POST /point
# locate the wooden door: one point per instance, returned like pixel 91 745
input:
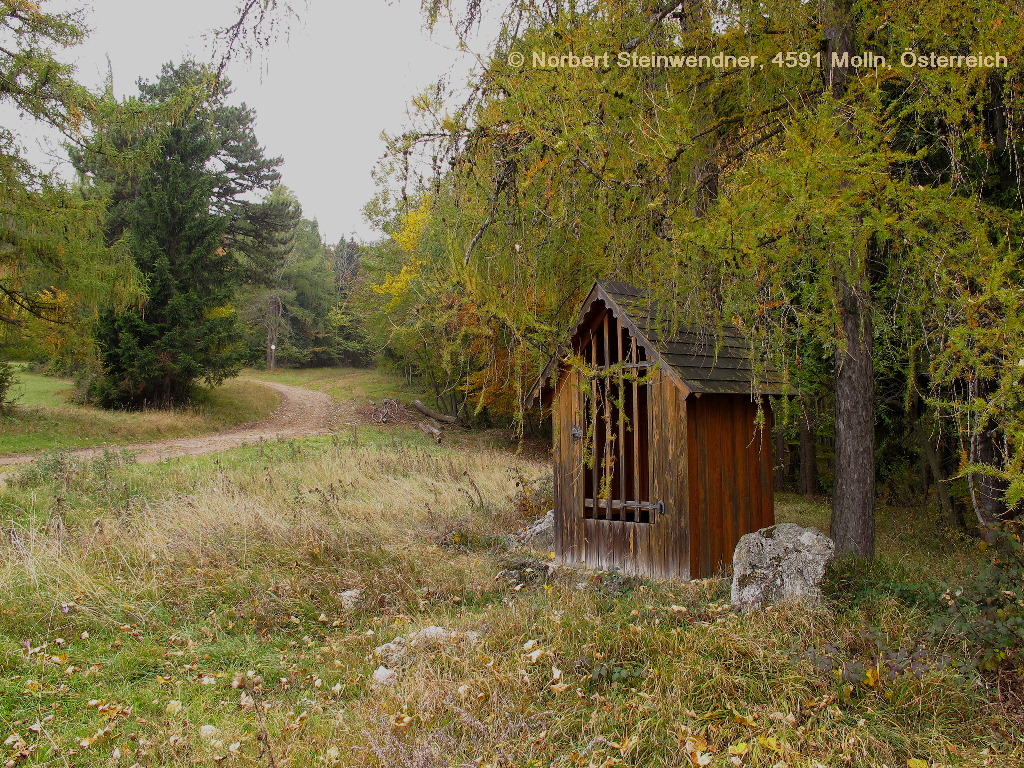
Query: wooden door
pixel 670 537
pixel 620 509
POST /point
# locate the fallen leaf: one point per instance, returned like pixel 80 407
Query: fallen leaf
pixel 743 719
pixel 401 721
pixel 173 707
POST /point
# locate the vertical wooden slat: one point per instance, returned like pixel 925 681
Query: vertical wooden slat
pixel 580 484
pixel 650 465
pixel 681 505
pixel 724 436
pixel 606 471
pixel 706 463
pixel 656 408
pixel 635 425
pixel 660 468
pixel 563 470
pixel 740 485
pixel 767 489
pixel 759 442
pixel 620 453
pixel 594 456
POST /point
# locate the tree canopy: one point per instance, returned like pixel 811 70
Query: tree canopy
pixel 52 253
pixel 861 225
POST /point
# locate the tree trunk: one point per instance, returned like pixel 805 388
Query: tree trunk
pixel 426 411
pixel 853 503
pixel 836 27
pixel 924 427
pixel 809 485
pixel 274 311
pixel 986 491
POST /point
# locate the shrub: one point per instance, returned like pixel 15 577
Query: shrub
pixel 987 611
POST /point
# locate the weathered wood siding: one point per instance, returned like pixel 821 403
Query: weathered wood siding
pixel 567 413
pixel 730 469
pixel 669 557
pixel 658 548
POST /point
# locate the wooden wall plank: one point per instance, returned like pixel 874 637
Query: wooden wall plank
pixel 693 474
pixel 738 480
pixel 766 487
pixel 681 503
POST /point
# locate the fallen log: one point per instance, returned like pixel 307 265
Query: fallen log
pixel 431 431
pixel 433 414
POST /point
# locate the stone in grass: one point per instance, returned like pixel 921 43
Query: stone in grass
pixel 397 653
pixel 350 598
pixel 429 636
pixel 783 562
pixel 384 677
pixel 540 535
pixel 393 654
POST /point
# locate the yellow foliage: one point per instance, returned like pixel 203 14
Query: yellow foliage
pixel 397 286
pixel 413 224
pixel 226 310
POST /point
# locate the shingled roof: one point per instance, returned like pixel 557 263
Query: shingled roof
pixel 701 361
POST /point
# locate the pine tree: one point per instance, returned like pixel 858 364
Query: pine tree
pixel 185 217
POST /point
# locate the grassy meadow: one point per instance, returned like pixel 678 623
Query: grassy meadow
pixel 44 419
pixel 225 609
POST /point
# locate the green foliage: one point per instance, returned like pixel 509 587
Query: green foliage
pixel 987 610
pixel 53 259
pixel 854 582
pixel 296 296
pixel 753 197
pixel 186 215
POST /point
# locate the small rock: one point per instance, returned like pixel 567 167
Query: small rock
pixel 393 653
pixel 350 598
pixel 383 677
pixel 430 636
pixel 783 562
pixel 540 534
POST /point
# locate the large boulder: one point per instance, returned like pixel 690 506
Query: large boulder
pixel 783 562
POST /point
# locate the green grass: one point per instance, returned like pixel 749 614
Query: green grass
pixel 36 390
pixel 344 384
pixel 156 600
pixel 43 419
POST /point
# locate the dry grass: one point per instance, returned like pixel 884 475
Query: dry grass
pixel 209 592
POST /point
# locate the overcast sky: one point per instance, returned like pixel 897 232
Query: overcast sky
pixel 322 94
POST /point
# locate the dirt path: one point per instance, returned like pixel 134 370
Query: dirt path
pixel 301 413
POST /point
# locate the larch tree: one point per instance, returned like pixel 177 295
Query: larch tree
pixel 868 215
pixel 52 252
